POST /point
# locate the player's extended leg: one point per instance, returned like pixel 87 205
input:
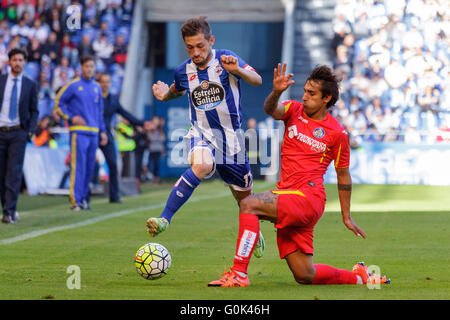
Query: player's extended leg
pixel 258 252
pixel 252 208
pixel 305 272
pixel 202 163
pixel 301 266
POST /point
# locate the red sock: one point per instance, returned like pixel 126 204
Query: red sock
pixel 247 238
pixel 329 275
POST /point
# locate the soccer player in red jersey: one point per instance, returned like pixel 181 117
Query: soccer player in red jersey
pixel 312 139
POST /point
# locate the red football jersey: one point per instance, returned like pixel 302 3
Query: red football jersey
pixel 309 146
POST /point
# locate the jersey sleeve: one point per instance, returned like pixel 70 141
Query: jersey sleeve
pixel 241 62
pixel 290 107
pixel 180 80
pixel 62 101
pixel 342 150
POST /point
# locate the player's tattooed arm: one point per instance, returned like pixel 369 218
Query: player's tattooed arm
pixel 273 107
pixel 344 180
pixel 165 93
pixel 173 93
pixel 344 183
pixel 344 187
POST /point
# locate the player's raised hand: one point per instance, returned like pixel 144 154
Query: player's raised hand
pixel 281 81
pixel 230 63
pixel 160 90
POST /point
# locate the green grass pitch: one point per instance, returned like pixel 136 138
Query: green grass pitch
pixel 407 228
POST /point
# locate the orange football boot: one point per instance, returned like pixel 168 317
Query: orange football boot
pixel 230 279
pixel 361 270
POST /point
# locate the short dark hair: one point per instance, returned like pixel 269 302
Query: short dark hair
pixel 329 82
pixel 103 74
pixel 15 51
pixel 195 26
pixel 86 58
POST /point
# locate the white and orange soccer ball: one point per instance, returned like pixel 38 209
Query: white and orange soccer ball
pixel 152 261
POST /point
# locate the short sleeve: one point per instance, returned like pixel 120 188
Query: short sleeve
pixel 62 100
pixel 342 150
pixel 180 80
pixel 242 63
pixel 289 108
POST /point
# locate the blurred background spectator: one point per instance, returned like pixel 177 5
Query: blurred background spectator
pixel 393 58
pixel 39 26
pixel 156 147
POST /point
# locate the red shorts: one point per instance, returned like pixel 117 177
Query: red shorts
pixel 298 213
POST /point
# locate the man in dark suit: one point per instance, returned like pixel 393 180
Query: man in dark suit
pixel 18 117
pixel 112 106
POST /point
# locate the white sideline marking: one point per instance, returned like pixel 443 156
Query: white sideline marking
pixel 38 233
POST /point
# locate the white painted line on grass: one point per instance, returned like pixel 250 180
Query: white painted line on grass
pixel 86 222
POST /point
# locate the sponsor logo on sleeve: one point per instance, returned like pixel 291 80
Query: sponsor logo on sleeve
pixel 219 69
pixel 247 67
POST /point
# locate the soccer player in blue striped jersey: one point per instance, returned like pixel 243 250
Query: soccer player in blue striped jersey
pixel 211 78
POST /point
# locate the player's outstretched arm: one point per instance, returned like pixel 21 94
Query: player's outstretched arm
pixel 165 93
pixel 231 64
pixel 344 181
pixel 281 82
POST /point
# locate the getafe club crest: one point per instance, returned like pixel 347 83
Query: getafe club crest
pixel 208 95
pixel 318 133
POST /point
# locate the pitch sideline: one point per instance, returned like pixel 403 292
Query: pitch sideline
pixel 90 221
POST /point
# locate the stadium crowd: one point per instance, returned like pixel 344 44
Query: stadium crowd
pixel 393 58
pixel 54 40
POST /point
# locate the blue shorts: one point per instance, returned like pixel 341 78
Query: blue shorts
pixel 234 170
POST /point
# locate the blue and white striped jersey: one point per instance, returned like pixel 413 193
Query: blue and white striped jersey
pixel 214 102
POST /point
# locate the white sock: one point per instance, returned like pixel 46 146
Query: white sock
pixel 359 280
pixel 241 274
